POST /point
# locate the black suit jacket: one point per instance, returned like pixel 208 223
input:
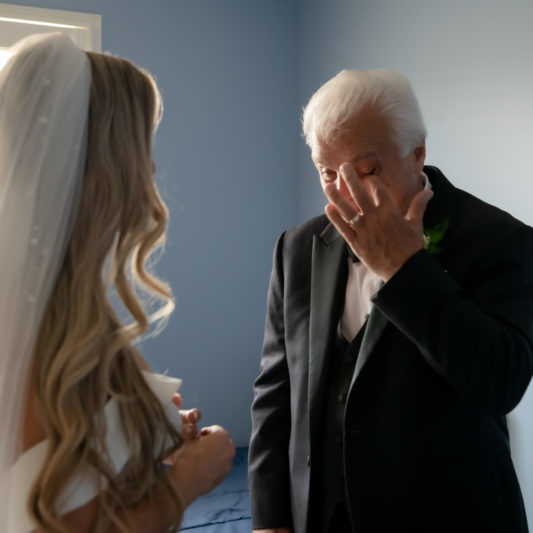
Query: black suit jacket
pixel 447 352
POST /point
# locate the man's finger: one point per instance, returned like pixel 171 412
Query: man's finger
pixel 418 205
pixel 356 187
pixel 345 229
pixel 337 219
pixel 346 209
pixel 377 189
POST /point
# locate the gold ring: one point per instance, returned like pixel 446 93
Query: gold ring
pixel 353 221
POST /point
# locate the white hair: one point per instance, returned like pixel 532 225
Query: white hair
pixel 335 106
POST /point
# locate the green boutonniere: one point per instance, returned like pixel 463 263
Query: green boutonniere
pixel 433 236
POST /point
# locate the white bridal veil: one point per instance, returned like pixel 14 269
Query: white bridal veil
pixel 44 97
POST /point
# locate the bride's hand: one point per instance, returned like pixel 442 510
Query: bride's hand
pixel 189 429
pixel 201 464
pixel 189 419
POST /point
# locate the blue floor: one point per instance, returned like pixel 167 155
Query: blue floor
pixel 227 508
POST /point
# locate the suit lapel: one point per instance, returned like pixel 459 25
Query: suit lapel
pixel 374 329
pixel 328 283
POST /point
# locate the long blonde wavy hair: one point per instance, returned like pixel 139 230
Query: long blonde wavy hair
pixel 84 354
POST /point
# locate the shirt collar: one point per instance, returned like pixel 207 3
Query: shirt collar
pixel 427 183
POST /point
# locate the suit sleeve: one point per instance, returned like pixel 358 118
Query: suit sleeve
pixel 479 335
pixel 268 471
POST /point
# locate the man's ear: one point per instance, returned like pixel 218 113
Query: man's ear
pixel 420 156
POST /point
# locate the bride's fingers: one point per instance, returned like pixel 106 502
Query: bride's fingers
pixel 176 400
pixel 191 416
pixel 189 419
pixel 189 431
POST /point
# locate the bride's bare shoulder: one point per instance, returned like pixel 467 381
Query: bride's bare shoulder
pixel 33 430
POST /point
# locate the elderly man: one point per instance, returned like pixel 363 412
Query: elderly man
pixel 399 333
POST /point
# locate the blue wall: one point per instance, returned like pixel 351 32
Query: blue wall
pixel 225 154
pixel 471 66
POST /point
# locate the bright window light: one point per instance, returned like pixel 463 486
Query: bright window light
pixel 17 22
pixel 38 23
pixel 4 56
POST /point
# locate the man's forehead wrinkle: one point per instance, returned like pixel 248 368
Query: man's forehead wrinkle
pixel 371 153
pixel 321 161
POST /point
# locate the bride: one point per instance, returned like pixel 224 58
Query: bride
pixel 85 428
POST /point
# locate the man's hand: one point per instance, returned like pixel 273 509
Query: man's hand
pixel 378 233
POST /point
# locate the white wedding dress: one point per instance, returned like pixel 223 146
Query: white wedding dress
pixel 82 487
